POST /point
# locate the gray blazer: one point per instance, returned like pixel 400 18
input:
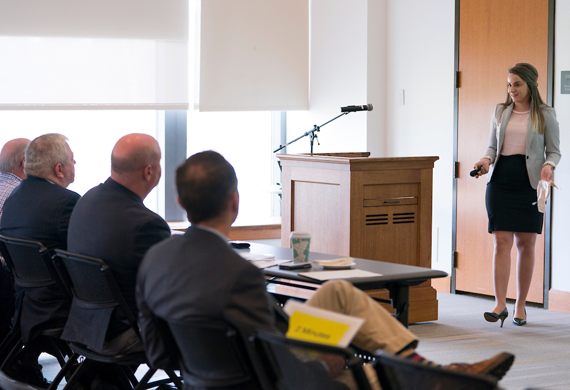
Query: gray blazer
pixel 540 148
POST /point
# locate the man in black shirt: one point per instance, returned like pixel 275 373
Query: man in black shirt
pixel 111 222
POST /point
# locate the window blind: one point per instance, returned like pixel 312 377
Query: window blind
pixel 253 55
pixel 69 54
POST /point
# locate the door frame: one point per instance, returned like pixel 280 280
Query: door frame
pixel 549 101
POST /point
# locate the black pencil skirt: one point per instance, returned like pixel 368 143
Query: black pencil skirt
pixel 509 198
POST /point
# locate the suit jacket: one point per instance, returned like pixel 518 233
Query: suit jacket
pixel 111 222
pixel 540 148
pixel 39 210
pixel 198 276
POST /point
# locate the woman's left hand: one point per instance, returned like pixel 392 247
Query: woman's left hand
pixel 546 173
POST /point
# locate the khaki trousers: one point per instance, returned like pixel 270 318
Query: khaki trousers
pixel 380 329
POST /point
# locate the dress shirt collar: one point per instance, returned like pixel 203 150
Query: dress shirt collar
pixel 119 187
pixel 212 230
pixel 9 177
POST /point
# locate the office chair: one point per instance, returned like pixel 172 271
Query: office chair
pixel 294 365
pixel 213 354
pixel 93 286
pixel 31 266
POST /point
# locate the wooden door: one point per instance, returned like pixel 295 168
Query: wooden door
pixel 494 36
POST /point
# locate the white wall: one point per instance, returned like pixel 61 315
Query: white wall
pixel 561 198
pixel 420 56
pixel 377 44
pixel 342 48
pixel 364 51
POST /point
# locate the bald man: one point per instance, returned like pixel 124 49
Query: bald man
pixel 11 174
pixel 111 223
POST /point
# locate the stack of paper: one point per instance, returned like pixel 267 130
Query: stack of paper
pixel 259 260
pixel 343 262
pixel 256 256
pixel 330 275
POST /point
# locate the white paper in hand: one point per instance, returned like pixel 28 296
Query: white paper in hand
pixel 542 194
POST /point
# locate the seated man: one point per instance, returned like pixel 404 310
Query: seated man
pixel 11 174
pixel 198 275
pixel 39 209
pixel 111 222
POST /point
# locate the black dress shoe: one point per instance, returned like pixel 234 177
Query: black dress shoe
pixel 30 374
pixel 494 317
pixel 520 321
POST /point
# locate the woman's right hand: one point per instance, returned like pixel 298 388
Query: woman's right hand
pixel 484 164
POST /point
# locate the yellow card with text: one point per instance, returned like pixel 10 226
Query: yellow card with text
pixel 315 330
pixel 321 326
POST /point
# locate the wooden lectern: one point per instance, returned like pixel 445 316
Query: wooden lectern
pixel 372 208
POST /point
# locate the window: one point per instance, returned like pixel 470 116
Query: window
pixel 92 135
pixel 244 139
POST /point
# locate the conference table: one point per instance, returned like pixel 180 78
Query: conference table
pixel 396 278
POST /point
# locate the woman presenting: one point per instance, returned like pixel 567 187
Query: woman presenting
pixel 523 149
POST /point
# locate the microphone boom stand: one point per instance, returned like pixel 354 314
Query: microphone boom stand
pixel 311 133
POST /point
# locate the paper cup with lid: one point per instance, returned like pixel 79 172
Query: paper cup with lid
pixel 300 244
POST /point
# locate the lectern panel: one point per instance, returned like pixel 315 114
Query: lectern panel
pixel 316 209
pixel 390 234
pixel 375 191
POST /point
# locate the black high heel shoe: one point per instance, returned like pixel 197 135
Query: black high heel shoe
pixel 494 317
pixel 520 321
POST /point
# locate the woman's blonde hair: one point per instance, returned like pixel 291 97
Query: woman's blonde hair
pixel 529 75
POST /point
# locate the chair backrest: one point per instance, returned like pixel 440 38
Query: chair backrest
pixel 395 373
pixel 289 361
pixel 31 263
pixel 92 283
pixel 212 354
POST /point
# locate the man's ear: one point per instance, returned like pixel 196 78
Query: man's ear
pixel 57 170
pixel 147 172
pixel 234 202
pixel 179 202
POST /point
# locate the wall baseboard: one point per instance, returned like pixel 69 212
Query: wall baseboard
pixel 559 300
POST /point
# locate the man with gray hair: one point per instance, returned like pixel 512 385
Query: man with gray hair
pixel 11 174
pixel 39 209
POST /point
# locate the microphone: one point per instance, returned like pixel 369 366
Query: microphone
pixel 474 172
pixel 366 107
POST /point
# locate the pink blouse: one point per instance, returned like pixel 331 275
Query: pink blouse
pixel 515 134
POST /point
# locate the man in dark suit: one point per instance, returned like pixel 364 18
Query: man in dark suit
pixel 111 222
pixel 198 275
pixel 39 209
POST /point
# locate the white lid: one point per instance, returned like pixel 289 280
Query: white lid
pixel 300 235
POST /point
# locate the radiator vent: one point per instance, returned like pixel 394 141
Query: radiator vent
pixel 404 218
pixel 390 219
pixel 377 219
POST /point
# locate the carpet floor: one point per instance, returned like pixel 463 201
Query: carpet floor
pixel 541 348
pixel 461 334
